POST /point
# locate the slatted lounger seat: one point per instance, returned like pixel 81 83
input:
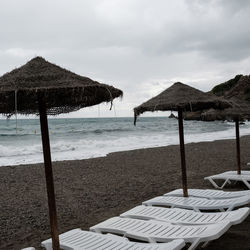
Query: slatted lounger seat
pixel 78 239
pixel 243 172
pixel 198 204
pixel 227 178
pixel 209 193
pixel 158 231
pixel 183 216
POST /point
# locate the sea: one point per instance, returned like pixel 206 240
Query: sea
pixel 82 138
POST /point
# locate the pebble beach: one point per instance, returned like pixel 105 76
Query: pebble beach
pixel 92 190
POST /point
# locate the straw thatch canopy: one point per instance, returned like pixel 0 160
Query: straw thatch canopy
pixel 239 111
pixel 62 90
pixel 183 96
pixel 227 114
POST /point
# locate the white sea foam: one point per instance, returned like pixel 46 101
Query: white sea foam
pixel 83 138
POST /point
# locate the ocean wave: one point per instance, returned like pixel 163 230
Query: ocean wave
pixel 100 131
pixel 19 150
pixel 105 137
pixel 73 130
pixel 19 135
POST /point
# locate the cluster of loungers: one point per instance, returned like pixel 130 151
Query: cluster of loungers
pixel 168 222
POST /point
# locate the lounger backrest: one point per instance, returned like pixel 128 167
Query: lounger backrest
pixel 197 203
pixel 160 231
pixel 83 240
pixel 183 216
pixel 209 193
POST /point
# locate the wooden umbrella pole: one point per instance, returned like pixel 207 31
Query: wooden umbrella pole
pixel 237 132
pixel 182 150
pixel 48 173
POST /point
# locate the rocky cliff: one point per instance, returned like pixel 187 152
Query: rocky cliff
pixel 236 90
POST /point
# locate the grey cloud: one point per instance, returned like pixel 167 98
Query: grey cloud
pixel 212 34
pixel 227 7
pixel 79 26
pixel 139 46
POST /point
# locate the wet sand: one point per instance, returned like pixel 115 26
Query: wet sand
pixel 90 191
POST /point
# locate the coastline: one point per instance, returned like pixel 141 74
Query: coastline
pixel 70 140
pixel 92 190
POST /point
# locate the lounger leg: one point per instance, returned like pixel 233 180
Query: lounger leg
pixel 213 183
pixel 194 244
pixel 205 244
pixel 246 183
pixel 224 184
pixel 230 208
pixel 196 209
pixel 234 182
pixel 216 185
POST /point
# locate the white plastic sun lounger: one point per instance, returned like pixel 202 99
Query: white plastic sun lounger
pixel 243 172
pixel 228 178
pixel 158 231
pixel 183 216
pixel 209 193
pixel 78 239
pixel 198 204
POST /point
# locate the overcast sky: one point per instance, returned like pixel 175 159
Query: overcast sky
pixel 139 46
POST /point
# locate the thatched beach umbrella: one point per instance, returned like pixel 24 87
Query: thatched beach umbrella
pixel 40 87
pixel 181 97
